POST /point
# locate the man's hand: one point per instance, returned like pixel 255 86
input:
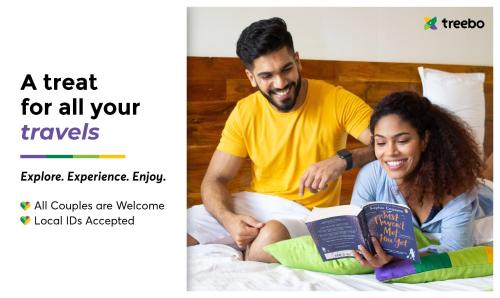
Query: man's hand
pixel 375 261
pixel 318 175
pixel 243 229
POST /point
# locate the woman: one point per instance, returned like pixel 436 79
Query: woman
pixel 428 160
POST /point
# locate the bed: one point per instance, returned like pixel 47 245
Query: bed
pixel 220 267
pixel 213 87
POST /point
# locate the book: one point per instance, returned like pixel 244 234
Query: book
pixel 337 231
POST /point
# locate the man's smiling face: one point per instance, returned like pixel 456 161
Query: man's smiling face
pixel 277 76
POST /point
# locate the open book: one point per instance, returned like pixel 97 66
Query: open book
pixel 337 231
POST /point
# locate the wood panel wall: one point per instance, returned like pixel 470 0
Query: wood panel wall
pixel 214 85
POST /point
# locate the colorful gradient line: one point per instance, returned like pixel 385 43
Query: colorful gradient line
pixel 72 156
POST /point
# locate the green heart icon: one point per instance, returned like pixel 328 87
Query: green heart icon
pixel 25 205
pixel 25 219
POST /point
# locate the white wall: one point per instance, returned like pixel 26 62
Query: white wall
pixel 352 34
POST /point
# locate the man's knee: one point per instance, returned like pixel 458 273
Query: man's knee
pixel 272 232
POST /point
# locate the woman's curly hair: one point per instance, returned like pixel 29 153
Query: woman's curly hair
pixel 451 162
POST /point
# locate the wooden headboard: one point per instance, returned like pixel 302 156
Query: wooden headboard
pixel 214 85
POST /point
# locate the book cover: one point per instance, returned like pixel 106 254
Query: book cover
pixel 392 225
pixel 337 231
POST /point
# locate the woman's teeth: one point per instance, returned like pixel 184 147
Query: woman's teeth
pixel 395 163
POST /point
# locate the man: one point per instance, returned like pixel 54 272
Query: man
pixel 294 131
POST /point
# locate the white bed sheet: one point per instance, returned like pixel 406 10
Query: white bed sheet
pixel 220 267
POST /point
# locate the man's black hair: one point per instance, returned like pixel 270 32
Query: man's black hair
pixel 261 38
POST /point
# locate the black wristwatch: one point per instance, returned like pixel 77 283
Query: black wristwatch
pixel 347 156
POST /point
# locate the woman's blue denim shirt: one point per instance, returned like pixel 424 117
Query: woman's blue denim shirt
pixel 452 226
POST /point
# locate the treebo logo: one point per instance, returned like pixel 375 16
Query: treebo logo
pixel 465 24
pixel 430 23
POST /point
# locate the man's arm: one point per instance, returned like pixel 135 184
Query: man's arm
pixel 218 201
pixel 362 156
pixel 319 174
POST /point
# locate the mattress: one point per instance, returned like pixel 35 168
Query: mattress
pixel 220 267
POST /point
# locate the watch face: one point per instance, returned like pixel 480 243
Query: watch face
pixel 347 156
pixel 344 153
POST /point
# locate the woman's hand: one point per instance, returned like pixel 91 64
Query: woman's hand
pixel 375 261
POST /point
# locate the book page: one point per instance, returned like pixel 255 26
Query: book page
pixel 320 213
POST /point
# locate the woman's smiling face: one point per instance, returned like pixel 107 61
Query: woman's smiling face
pixel 397 146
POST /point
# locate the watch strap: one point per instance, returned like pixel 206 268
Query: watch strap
pixel 347 156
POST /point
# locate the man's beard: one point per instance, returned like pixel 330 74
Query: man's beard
pixel 287 104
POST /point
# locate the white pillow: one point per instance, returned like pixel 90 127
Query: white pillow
pixel 483 231
pixel 461 93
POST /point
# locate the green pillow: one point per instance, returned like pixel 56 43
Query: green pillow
pixel 301 253
pixel 468 262
pixel 422 240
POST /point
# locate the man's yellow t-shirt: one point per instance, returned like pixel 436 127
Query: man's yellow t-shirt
pixel 282 146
